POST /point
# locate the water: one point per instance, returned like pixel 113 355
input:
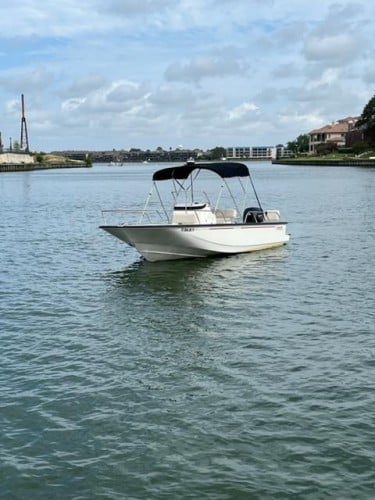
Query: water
pixel 244 377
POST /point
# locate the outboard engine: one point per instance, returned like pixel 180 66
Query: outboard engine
pixel 253 215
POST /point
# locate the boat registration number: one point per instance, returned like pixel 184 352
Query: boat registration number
pixel 187 229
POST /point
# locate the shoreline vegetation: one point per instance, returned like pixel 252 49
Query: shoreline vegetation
pixel 53 161
pixel 28 162
pixel 330 160
pixel 321 162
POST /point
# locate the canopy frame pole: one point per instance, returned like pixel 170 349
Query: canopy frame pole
pixel 231 195
pixel 162 204
pixel 256 194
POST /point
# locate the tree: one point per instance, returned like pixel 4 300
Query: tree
pixel 368 114
pixel 326 148
pixel 360 147
pixel 367 122
pixel 303 143
pixel 88 160
pixel 218 153
pixel 292 146
pixel 299 145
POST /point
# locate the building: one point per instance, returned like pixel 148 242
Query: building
pixel 334 133
pixel 363 134
pixel 16 158
pixel 252 152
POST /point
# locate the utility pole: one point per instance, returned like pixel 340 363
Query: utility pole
pixel 24 136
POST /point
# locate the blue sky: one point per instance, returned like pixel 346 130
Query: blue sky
pixel 194 73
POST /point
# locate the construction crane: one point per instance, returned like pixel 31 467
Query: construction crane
pixel 24 137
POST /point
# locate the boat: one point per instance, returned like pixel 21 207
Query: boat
pixel 194 226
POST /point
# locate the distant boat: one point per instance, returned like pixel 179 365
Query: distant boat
pixel 197 228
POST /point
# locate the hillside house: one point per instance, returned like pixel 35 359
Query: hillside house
pixel 335 133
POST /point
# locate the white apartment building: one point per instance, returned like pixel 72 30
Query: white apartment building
pixel 252 152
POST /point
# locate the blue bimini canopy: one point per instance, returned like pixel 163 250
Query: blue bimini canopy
pixel 223 169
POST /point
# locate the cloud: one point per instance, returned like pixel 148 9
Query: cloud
pixel 33 79
pixel 72 104
pixel 285 70
pixel 113 99
pixel 369 73
pixel 84 85
pixel 328 78
pixel 336 49
pixel 243 110
pixel 203 67
pixel 306 121
pixel 190 72
pixel 130 8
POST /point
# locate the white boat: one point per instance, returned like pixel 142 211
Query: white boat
pixel 199 228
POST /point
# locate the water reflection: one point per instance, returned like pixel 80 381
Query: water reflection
pixel 198 276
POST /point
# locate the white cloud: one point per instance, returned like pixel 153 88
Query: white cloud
pixel 336 48
pixel 285 70
pixel 204 67
pixel 72 104
pixel 369 73
pixel 243 110
pixel 307 121
pixel 196 72
pixel 329 77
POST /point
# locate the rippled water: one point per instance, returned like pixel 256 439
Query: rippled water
pixel 244 377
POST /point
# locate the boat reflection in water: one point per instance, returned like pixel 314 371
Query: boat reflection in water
pixel 202 276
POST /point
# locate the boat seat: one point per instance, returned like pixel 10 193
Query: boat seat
pixel 225 215
pixel 180 217
pixel 272 216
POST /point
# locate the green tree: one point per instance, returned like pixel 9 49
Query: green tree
pixel 303 143
pixel 299 145
pixel 88 160
pixel 292 146
pixel 360 147
pixel 218 153
pixel 326 148
pixel 368 114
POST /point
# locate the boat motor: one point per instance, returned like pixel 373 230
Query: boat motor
pixel 253 215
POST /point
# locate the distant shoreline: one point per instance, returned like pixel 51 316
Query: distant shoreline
pixel 28 167
pixel 325 163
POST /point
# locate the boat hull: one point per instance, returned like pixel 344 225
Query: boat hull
pixel 170 242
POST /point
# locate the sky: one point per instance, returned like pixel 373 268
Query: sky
pixel 124 74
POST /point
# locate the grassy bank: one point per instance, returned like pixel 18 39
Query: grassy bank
pixel 333 159
pixel 40 161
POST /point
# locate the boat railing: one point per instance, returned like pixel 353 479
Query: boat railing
pixel 126 216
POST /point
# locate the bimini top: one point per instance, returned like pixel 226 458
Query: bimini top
pixel 224 169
